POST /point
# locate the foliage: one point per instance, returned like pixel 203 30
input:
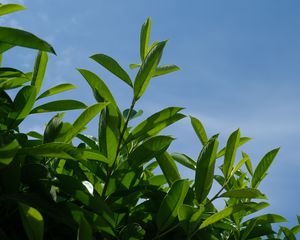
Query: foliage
pixel 108 186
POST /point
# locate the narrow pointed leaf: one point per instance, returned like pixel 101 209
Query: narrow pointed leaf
pixel 205 169
pixel 168 209
pixel 113 66
pixel 33 222
pixel 89 140
pixel 8 152
pixel 84 118
pixel 244 193
pixel 231 147
pixel 22 38
pixel 263 167
pixel 10 8
pixel 184 160
pixel 199 129
pixel 267 218
pixel 147 70
pixel 168 167
pixel 239 165
pixel 12 83
pixel 226 212
pixel 165 69
pixel 242 141
pixel 53 128
pixel 59 105
pixel 144 38
pixel 39 70
pixel 134 65
pixel 84 231
pixel 57 89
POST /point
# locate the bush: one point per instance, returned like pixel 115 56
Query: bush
pixel 107 187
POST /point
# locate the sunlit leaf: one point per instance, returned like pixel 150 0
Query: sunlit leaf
pixel 10 8
pixel 39 70
pixel 243 193
pixel 165 69
pixel 59 105
pixel 57 89
pixel 242 141
pixel 199 129
pixel 113 66
pixel 144 38
pixel 184 160
pixel 8 152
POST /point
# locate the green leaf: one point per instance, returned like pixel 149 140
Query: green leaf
pixel 147 70
pixel 10 72
pixel 113 66
pixel 144 38
pixel 101 91
pixel 266 218
pixel 155 123
pixel 84 231
pixel 168 209
pixel 57 89
pixel 85 117
pixel 149 149
pixel 248 163
pixel 8 152
pixel 59 105
pixel 262 167
pixel 89 140
pixel 184 160
pixel 23 104
pixel 35 134
pixel 226 212
pixel 33 222
pixel 288 233
pixel 240 164
pixel 134 114
pixel 168 167
pixel 244 193
pixel 134 65
pixel 199 129
pixel 10 8
pixel 22 38
pixel 12 83
pixel 53 128
pixel 165 69
pixel 242 141
pixel 231 147
pixel 205 169
pixel 4 47
pixel 39 70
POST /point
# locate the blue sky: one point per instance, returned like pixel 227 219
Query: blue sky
pixel 240 69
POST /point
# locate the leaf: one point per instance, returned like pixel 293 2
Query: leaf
pixel 134 114
pixel 168 209
pixel 12 83
pixel 57 89
pixel 244 193
pixel 239 164
pixel 266 218
pixel 35 134
pixel 22 38
pixel 101 91
pixel 184 160
pixel 205 169
pixel 89 140
pixel 231 147
pixel 263 167
pixel 148 150
pixel 113 66
pixel 155 123
pixel 165 69
pixel 53 128
pixel 147 70
pixel 84 118
pixel 144 38
pixel 242 141
pixel 134 65
pixel 59 105
pixel 288 233
pixel 23 104
pixel 168 167
pixel 4 47
pixel 10 72
pixel 10 8
pixel 84 231
pixel 226 212
pixel 199 129
pixel 33 222
pixel 39 70
pixel 8 152
pixel 248 163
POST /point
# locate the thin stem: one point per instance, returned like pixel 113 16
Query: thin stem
pixel 166 232
pixel 110 170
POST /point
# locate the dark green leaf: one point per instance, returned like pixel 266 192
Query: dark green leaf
pixel 84 231
pixel 134 114
pixel 168 209
pixel 59 105
pixel 148 150
pixel 89 140
pixel 184 160
pixel 22 38
pixel 165 69
pixel 231 147
pixel 39 70
pixel 244 193
pixel 10 8
pixel 57 89
pixel 205 169
pixel 168 167
pixel 144 38
pixel 8 152
pixel 262 167
pixel 199 129
pixel 53 128
pixel 33 222
pixel 113 66
pixel 10 72
pixel 147 70
pixel 266 218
